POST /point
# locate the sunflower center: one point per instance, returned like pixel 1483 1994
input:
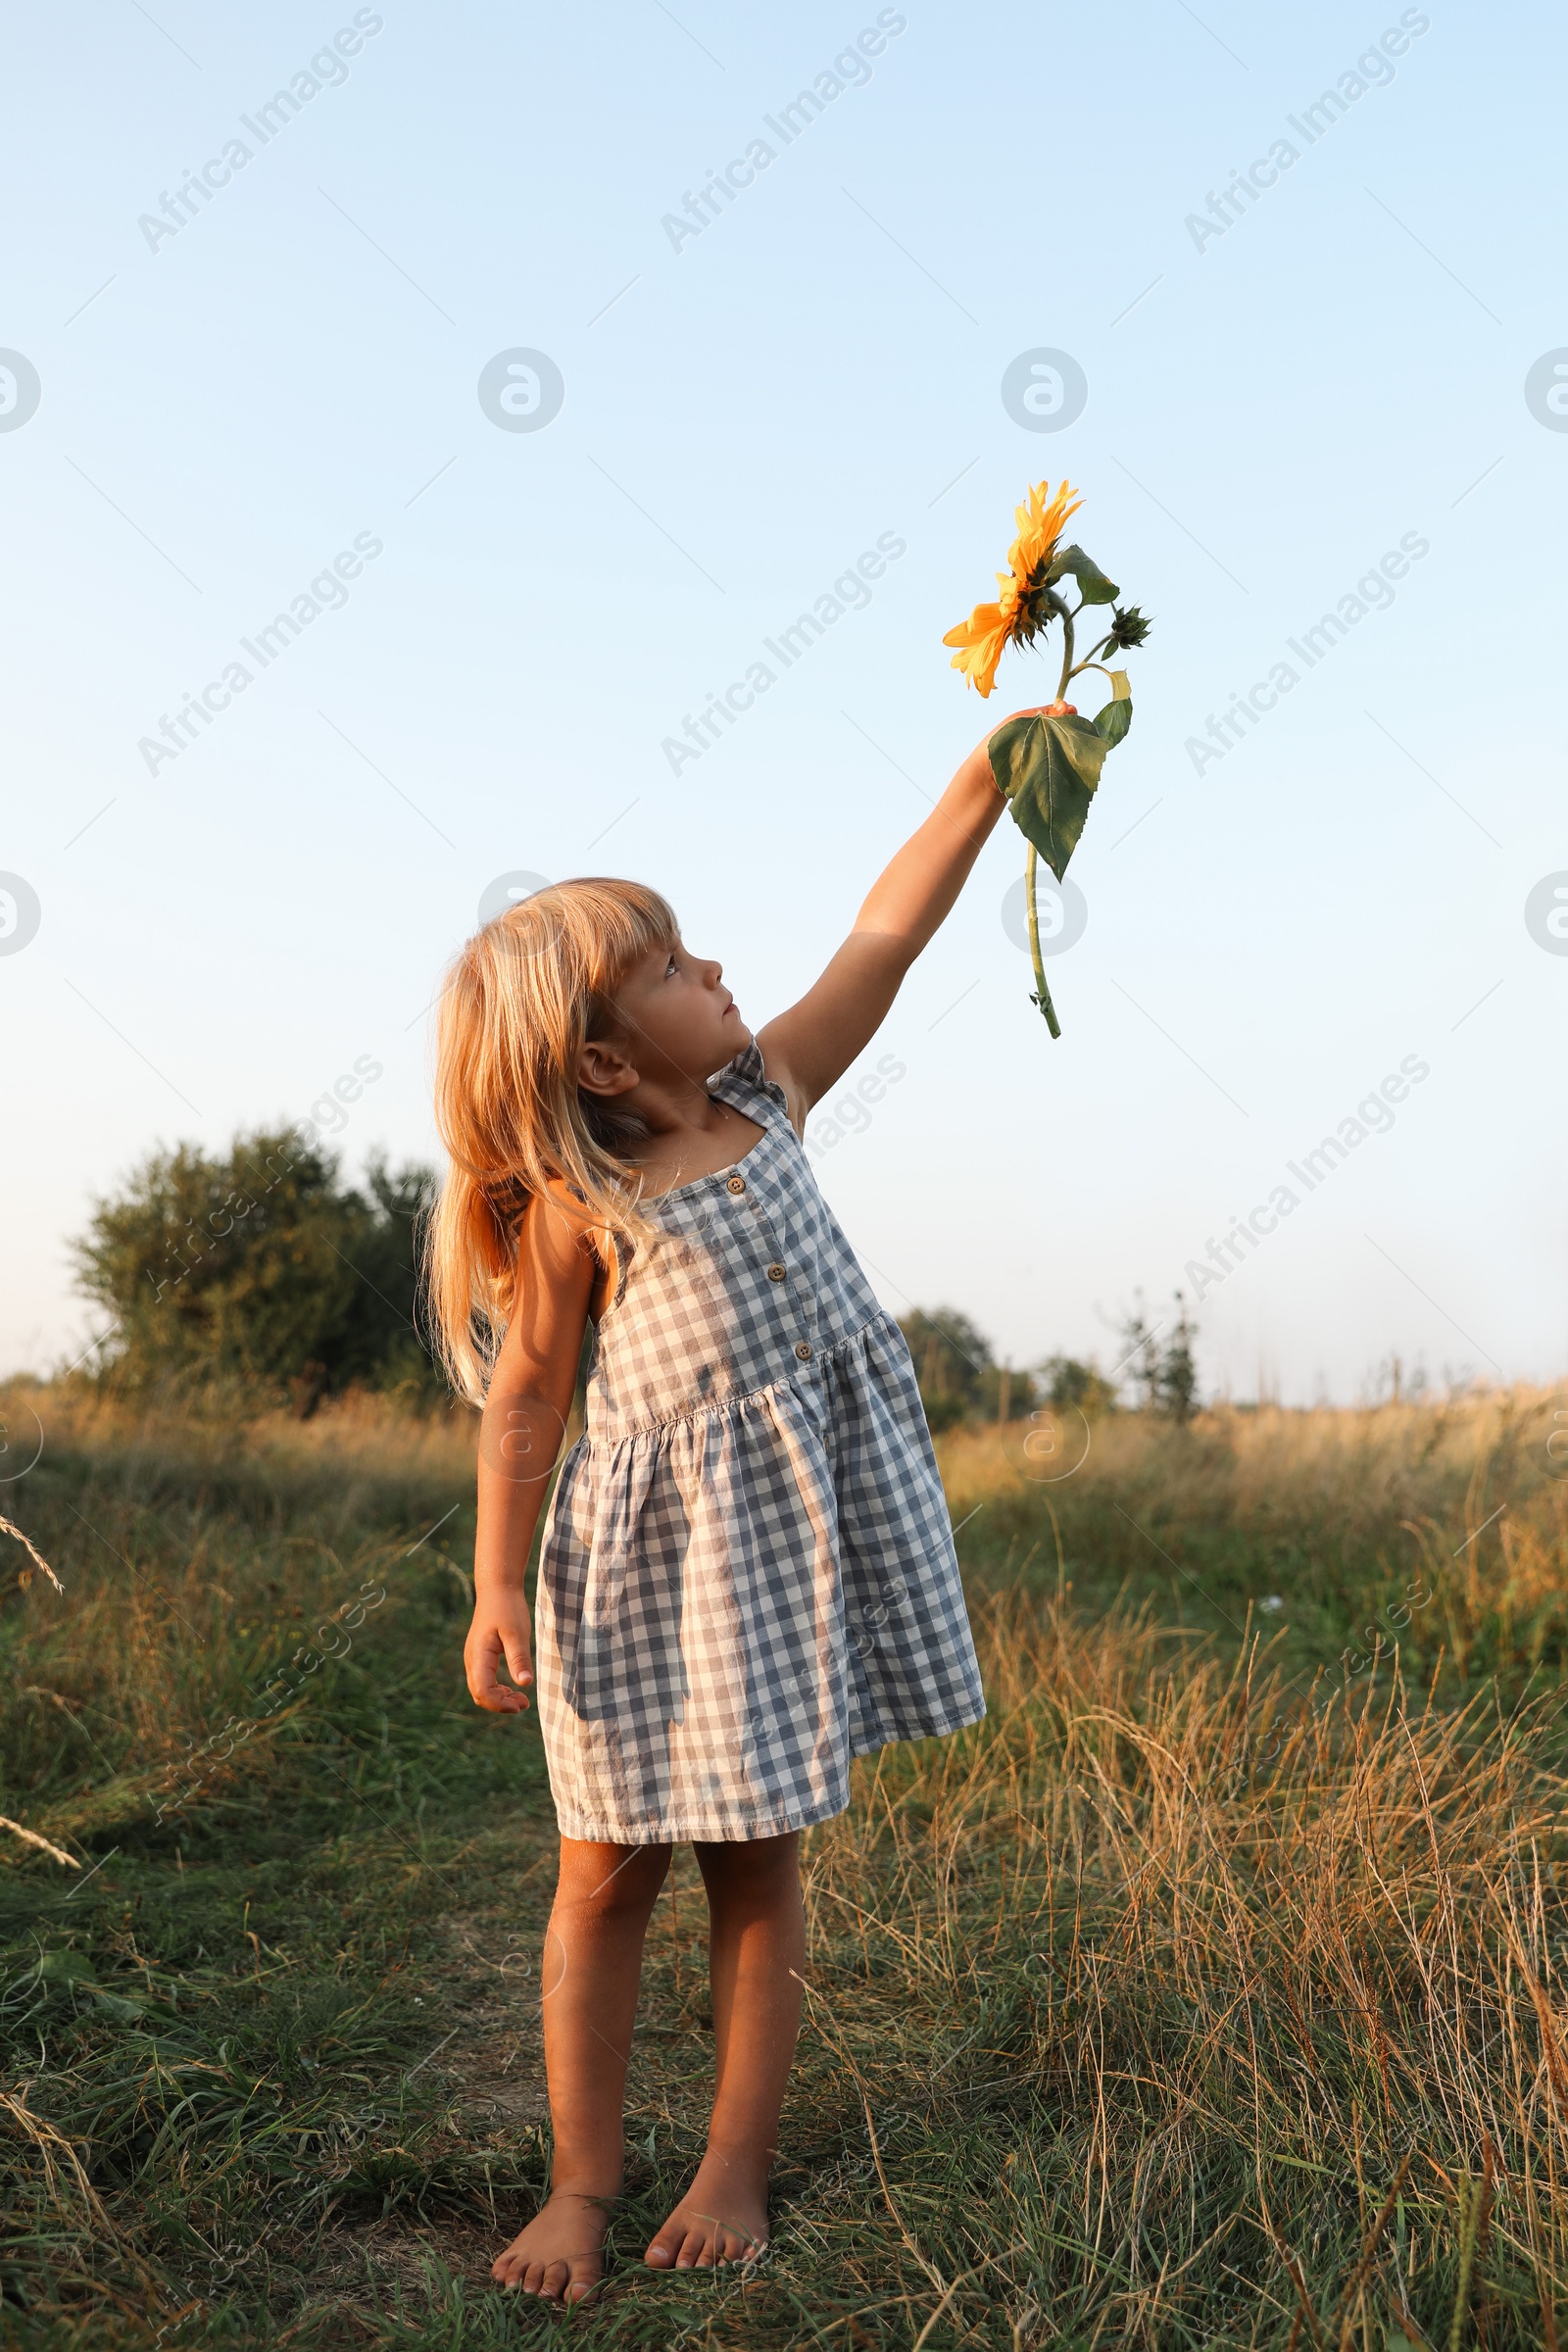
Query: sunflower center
pixel 1038 604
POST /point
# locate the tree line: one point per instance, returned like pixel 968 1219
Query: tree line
pixel 961 1378
pixel 265 1270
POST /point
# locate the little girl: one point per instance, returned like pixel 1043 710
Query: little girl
pixel 747 1575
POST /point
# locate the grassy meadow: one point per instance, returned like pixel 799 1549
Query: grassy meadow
pixel 1213 1992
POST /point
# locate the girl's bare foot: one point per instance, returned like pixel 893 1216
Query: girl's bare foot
pixel 560 2253
pixel 721 2218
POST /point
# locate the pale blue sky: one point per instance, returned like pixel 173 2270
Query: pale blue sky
pixel 1342 370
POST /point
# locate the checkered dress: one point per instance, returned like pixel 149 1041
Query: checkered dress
pixel 747 1575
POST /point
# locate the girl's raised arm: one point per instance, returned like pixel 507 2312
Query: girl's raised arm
pixel 808 1047
pixel 519 1438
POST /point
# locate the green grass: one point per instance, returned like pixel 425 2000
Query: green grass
pixel 1177 1960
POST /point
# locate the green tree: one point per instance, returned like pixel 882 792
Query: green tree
pixel 1006 1393
pixel 1071 1384
pixel 952 1363
pixel 1163 1379
pixel 261 1268
pixel 1176 1389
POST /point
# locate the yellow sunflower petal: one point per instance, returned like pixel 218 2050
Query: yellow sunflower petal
pixel 1040 525
pixel 983 637
pixel 981 641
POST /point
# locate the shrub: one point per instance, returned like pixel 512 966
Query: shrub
pixel 262 1268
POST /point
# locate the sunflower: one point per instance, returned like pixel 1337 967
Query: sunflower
pixel 1026 603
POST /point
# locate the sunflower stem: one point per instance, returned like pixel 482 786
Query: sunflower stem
pixel 1066 655
pixel 1043 995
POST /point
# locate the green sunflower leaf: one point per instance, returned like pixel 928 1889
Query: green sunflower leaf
pixel 1093 585
pixel 1049 769
pixel 1114 720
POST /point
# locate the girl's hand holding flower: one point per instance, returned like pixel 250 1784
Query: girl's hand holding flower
pixel 1047 763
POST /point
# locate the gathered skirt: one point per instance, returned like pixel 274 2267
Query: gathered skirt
pixel 736 1601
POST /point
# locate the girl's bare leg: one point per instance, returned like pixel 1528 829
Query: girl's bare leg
pixel 757 1937
pixel 592 1964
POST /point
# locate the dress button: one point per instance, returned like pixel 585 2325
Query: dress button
pixel 737 1184
pixel 775 1273
pixel 803 1349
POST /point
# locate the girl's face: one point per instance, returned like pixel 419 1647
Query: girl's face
pixel 680 1020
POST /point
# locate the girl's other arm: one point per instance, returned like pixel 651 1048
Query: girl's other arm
pixel 808 1047
pixel 519 1437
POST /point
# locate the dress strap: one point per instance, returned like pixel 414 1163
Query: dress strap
pixel 743 1083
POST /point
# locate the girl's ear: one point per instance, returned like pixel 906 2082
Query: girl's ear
pixel 604 1069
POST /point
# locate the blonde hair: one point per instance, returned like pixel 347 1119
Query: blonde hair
pixel 518 1004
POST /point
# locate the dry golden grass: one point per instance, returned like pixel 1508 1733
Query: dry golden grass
pixel 1238 1971
pixel 1276 1463
pixel 1207 1994
pixel 1344 1517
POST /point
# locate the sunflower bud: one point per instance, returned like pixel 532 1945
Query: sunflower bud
pixel 1127 627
